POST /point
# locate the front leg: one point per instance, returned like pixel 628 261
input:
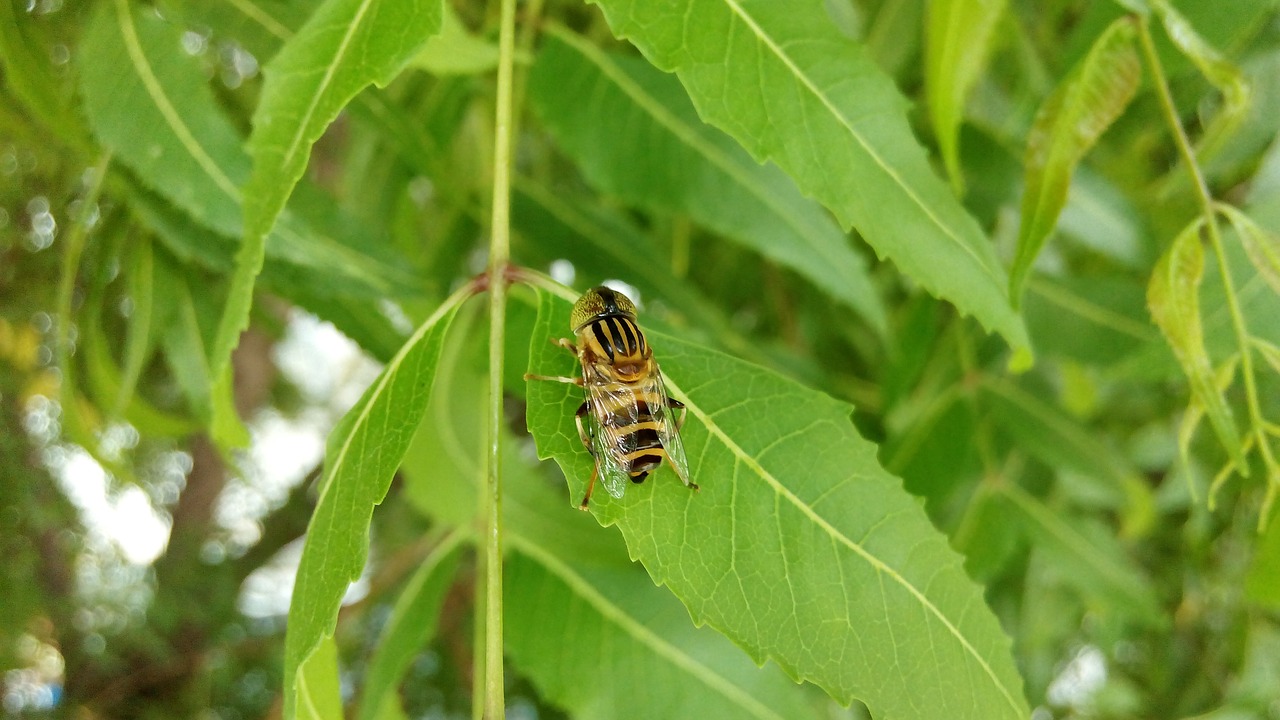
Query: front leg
pixel 567 344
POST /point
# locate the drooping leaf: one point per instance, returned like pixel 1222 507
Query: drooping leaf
pixel 363 453
pixel 1173 296
pixel 958 38
pixel 786 84
pixel 799 546
pixel 411 626
pixel 1068 124
pixel 345 46
pixel 1222 74
pixel 1260 244
pixel 1093 562
pixel 31 78
pixel 589 99
pixel 603 642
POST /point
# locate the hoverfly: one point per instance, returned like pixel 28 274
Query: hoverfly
pixel 631 427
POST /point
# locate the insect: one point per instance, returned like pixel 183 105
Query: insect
pixel 629 426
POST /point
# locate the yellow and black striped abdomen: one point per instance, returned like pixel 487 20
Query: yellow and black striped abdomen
pixel 630 420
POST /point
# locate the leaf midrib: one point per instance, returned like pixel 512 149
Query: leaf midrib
pixel 687 135
pixel 326 80
pixel 807 83
pixel 133 46
pixel 638 631
pixel 749 461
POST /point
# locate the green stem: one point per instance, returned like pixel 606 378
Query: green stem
pixel 1208 209
pixel 499 258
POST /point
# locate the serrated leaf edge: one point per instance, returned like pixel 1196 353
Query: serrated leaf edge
pixel 807 510
pixel 638 631
pixel 853 132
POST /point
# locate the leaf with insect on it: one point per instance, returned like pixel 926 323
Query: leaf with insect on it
pixel 799 546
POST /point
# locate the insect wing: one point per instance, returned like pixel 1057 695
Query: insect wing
pixel 669 432
pixel 608 410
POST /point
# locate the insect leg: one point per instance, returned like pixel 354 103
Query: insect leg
pixel 595 470
pixel 675 404
pixel 582 430
pixel 555 378
pixel 567 344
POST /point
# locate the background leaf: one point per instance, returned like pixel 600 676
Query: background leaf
pixel 783 81
pixel 870 579
pixel 1174 299
pixel 1068 124
pixel 343 47
pixel 958 39
pixel 588 99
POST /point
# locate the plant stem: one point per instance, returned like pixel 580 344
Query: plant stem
pixel 499 257
pixel 1208 209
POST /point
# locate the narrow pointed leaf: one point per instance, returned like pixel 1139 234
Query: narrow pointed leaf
pixel 343 48
pixel 411 626
pixel 1222 74
pixel 958 35
pixel 362 455
pixel 627 638
pixel 455 51
pixel 186 350
pixel 1173 296
pixel 1068 124
pixel 1260 244
pixel 790 87
pixel 799 546
pixel 589 99
pixel 138 344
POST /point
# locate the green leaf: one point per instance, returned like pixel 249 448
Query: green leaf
pixel 411 626
pixel 134 73
pixel 104 381
pixel 1260 244
pixel 345 46
pixel 1068 124
pixel 958 35
pixel 138 345
pixel 1054 437
pixel 1173 296
pixel 588 99
pixel 186 349
pixel 597 641
pixel 32 79
pixel 799 546
pixel 319 694
pixel 1223 75
pixel 455 51
pixel 1088 558
pixel 1100 320
pixel 363 453
pixel 1262 582
pixel 786 84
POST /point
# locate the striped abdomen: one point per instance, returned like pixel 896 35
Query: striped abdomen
pixel 630 426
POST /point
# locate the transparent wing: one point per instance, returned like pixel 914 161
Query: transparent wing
pixel 604 437
pixel 668 430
